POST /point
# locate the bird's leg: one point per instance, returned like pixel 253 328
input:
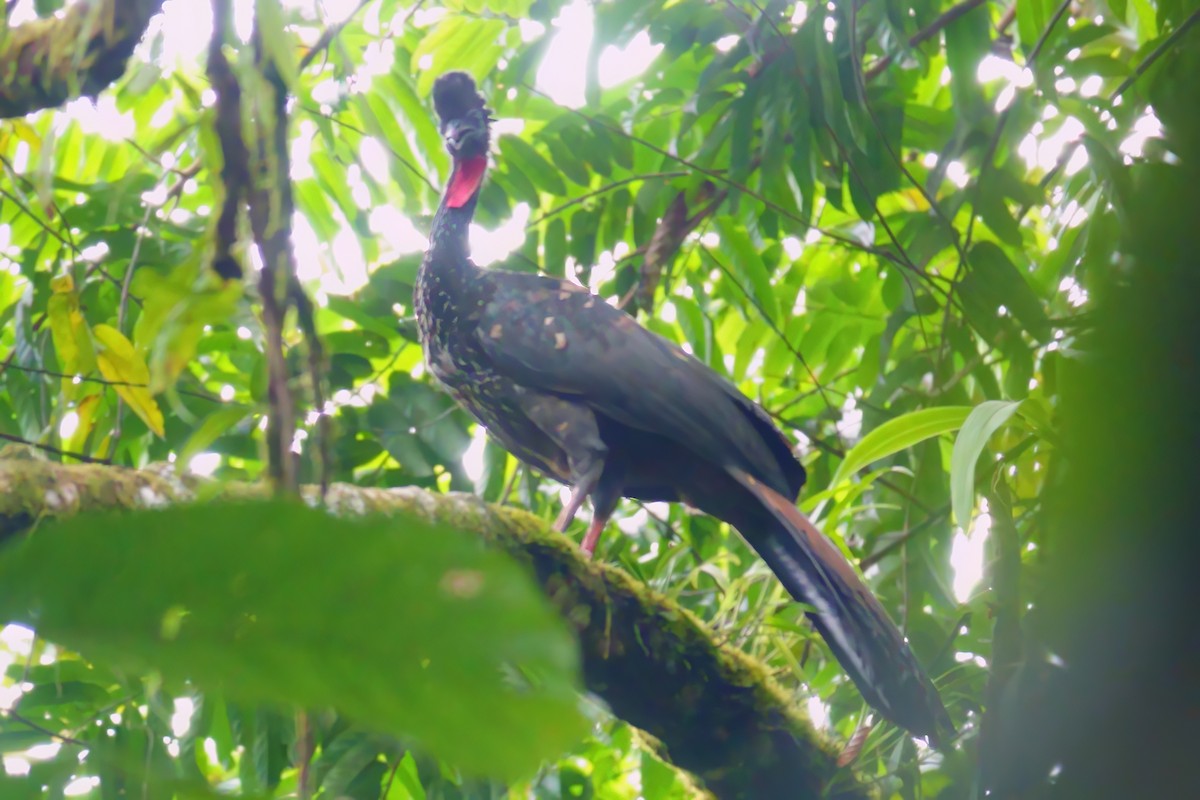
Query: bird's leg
pixel 595 528
pixel 604 502
pixel 573 428
pixel 583 487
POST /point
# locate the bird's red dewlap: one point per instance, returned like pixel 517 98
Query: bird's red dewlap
pixel 465 181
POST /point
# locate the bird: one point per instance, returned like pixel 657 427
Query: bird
pixel 580 391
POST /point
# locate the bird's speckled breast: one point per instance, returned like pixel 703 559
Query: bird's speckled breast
pixel 446 328
pixel 453 356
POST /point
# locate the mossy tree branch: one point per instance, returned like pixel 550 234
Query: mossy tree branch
pixel 46 62
pixel 715 710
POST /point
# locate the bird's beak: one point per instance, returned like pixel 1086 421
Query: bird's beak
pixel 460 134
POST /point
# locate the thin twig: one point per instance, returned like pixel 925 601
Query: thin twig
pixel 114 438
pixel 899 162
pixel 104 381
pixel 316 376
pixel 49 448
pixel 13 715
pixel 391 778
pixel 984 166
pixel 328 35
pixel 411 167
pixel 608 187
pixel 770 322
pixel 509 483
pixel 925 34
pixel 1156 53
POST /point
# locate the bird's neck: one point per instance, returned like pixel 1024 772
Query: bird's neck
pixel 449 247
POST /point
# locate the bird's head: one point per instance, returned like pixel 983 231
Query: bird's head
pixel 463 118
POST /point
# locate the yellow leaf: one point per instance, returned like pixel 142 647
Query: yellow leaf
pixel 916 199
pixel 86 411
pixel 120 364
pixel 22 131
pixel 68 330
pixel 26 133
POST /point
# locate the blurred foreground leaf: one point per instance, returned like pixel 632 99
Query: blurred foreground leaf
pixel 404 626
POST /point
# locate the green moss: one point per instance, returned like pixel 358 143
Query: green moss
pixel 46 62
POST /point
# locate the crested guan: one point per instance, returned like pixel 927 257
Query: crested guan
pixel 580 391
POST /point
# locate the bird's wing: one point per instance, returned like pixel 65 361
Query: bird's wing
pixel 556 336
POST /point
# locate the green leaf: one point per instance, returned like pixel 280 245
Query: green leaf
pixel 741 256
pixel 45 8
pixel 458 42
pixel 899 434
pixel 61 693
pixel 407 627
pixel 567 161
pixel 616 218
pixel 619 143
pixel 554 247
pixel 582 245
pixel 355 312
pixel 984 420
pixel 968 39
pixel 1000 283
pixel 407 783
pixel 1032 17
pixel 993 211
pixel 524 157
pixel 343 759
pixel 215 425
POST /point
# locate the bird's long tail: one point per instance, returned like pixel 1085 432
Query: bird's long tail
pixel 851 620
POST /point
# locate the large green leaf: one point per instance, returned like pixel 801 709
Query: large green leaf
pixel 407 627
pixel 899 434
pixel 535 166
pixel 984 420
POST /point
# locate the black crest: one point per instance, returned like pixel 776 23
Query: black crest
pixel 455 96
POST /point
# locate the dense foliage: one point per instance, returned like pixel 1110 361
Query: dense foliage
pixel 888 223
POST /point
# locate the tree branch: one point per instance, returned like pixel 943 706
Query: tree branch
pixel 715 710
pixel 46 62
